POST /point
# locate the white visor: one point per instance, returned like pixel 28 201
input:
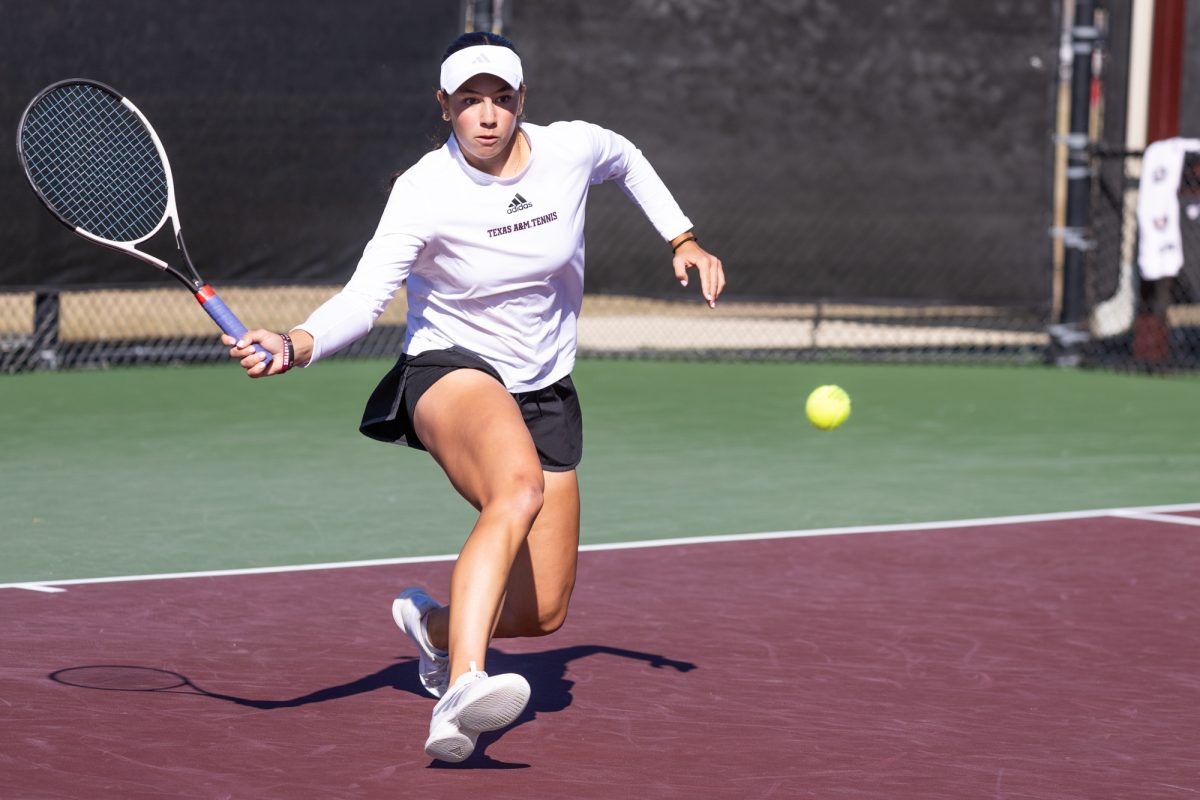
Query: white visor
pixel 481 58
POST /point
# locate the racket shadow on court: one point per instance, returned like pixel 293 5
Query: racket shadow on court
pixel 401 675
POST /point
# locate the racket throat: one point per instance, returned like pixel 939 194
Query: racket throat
pixel 197 284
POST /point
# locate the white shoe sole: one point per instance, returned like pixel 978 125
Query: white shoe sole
pixel 499 701
pixel 449 744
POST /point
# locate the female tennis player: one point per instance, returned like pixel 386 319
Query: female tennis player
pixel 487 232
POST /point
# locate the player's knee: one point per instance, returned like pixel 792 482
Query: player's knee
pixel 521 499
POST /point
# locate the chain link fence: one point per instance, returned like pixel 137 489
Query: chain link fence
pixel 876 178
pixel 111 327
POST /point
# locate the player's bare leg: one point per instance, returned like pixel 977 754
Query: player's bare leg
pixel 474 429
pixel 543 573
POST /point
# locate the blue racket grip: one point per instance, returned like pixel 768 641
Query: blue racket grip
pixel 225 318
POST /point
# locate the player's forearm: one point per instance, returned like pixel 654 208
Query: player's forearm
pixel 643 185
pixel 618 159
pixel 340 320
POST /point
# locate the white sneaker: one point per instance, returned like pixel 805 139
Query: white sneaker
pixel 475 703
pixel 409 610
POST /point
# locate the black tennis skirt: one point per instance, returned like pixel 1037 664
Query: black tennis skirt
pixel 552 413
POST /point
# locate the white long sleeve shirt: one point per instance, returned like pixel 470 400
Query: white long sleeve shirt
pixel 494 265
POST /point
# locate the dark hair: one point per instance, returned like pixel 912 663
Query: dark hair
pixel 474 38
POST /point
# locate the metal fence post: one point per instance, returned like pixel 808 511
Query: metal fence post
pixel 44 345
pixel 1068 335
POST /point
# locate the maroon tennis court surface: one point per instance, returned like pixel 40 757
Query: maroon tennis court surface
pixel 1037 657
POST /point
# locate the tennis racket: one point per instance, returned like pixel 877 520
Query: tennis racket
pixel 97 165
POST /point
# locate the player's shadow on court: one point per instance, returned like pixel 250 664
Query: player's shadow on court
pixel 550 689
pixel 545 671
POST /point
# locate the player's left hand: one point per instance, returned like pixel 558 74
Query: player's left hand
pixel 712 274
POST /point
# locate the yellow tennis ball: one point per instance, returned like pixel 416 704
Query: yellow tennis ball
pixel 827 407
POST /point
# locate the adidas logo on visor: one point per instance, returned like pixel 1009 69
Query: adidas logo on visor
pixel 518 204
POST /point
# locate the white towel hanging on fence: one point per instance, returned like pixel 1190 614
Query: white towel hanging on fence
pixel 1160 245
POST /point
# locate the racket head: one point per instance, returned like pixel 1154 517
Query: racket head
pixel 95 162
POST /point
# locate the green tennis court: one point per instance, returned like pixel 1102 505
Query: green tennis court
pixel 151 470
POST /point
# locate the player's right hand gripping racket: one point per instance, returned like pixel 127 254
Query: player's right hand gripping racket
pixel 96 163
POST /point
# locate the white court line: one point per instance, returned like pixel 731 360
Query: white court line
pixel 49 586
pixel 1147 516
pixel 1142 513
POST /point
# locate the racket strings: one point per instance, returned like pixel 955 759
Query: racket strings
pixel 95 163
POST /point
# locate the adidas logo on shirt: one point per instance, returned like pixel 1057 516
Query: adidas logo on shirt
pixel 519 204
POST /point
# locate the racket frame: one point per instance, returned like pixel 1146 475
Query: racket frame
pixel 204 293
